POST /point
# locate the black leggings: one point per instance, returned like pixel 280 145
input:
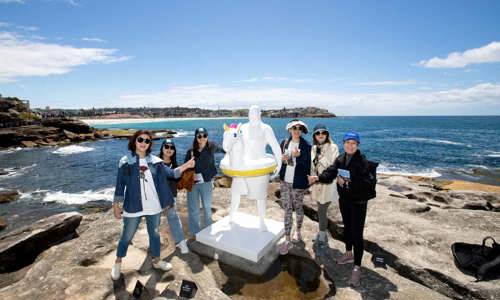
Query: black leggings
pixel 353 216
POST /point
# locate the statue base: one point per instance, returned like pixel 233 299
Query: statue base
pixel 243 238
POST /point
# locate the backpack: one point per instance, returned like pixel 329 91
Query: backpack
pixel 480 261
pixel 372 172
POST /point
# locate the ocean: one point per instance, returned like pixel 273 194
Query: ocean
pixel 52 180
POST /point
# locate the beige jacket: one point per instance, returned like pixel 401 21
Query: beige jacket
pixel 320 192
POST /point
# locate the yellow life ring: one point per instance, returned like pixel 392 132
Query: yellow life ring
pixel 255 168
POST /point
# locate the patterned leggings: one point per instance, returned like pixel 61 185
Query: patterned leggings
pixel 292 199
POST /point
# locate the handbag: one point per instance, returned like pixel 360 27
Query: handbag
pixel 187 179
pixel 480 261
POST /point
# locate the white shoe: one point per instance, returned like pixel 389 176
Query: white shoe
pixel 183 246
pixel 162 265
pixel 116 271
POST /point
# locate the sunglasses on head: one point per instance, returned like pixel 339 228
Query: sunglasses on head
pixel 297 128
pixel 167 147
pixel 202 136
pixel 143 140
pixel 321 132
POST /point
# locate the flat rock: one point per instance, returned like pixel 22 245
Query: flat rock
pixel 417 233
pixel 20 247
pixel 3 223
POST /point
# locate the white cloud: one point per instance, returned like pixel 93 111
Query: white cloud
pixel 486 54
pixel 23 57
pixel 97 40
pixel 4 24
pixel 213 96
pixel 28 28
pixel 387 83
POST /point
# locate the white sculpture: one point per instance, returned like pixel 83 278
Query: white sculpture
pixel 248 163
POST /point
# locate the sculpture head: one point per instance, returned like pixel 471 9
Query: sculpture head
pixel 232 134
pixel 254 114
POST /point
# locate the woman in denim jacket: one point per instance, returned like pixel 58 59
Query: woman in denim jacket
pixel 141 186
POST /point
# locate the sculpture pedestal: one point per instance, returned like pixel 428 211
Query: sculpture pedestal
pixel 241 244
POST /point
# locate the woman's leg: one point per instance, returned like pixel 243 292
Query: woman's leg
pixel 153 225
pixel 286 201
pixel 322 216
pixel 358 217
pixel 129 228
pixel 174 222
pixel 345 210
pixel 193 201
pixel 298 202
pixel 206 202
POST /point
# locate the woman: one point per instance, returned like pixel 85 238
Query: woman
pixel 323 154
pixel 140 186
pixel 203 152
pixel 352 171
pixel 293 175
pixel 168 154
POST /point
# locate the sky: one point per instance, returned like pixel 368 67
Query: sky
pixel 351 57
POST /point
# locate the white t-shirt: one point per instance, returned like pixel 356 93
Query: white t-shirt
pixel 149 196
pixel 290 170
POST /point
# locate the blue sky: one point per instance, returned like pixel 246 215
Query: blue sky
pixel 354 58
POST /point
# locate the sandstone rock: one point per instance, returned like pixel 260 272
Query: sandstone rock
pixel 20 247
pixel 29 144
pixel 72 125
pixel 70 135
pixel 417 239
pixel 8 195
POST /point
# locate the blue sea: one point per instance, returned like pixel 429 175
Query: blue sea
pixel 57 179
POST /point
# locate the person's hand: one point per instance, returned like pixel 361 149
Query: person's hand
pixel 340 180
pixel 296 152
pixel 191 163
pixel 284 157
pixel 188 165
pixel 117 210
pixel 312 179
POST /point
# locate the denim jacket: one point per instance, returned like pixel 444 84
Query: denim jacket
pixel 128 187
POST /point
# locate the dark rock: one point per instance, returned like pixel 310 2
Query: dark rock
pixel 3 224
pixel 476 206
pixel 95 206
pixel 223 182
pixel 8 195
pixel 441 198
pixel 420 209
pixel 3 172
pixel 20 247
pixel 72 125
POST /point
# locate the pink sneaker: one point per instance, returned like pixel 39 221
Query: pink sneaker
pixel 285 247
pixel 346 258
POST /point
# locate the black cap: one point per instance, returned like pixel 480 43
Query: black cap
pixel 200 130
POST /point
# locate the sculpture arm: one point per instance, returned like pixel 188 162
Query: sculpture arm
pixel 271 140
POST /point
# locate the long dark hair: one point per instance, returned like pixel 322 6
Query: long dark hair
pixel 173 158
pixel 133 138
pixel 196 145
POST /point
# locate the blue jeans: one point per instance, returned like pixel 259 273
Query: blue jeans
pixel 203 191
pixel 174 222
pixel 130 226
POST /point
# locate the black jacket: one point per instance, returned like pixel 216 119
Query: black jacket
pixel 302 167
pixel 205 160
pixel 359 187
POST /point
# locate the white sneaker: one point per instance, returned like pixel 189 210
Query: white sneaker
pixel 162 265
pixel 116 271
pixel 183 246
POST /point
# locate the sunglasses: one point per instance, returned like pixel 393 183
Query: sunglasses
pixel 202 136
pixel 297 128
pixel 143 140
pixel 167 147
pixel 321 133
